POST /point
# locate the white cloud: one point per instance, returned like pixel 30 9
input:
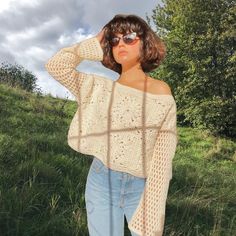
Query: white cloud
pixel 4 5
pixel 76 36
pixel 13 4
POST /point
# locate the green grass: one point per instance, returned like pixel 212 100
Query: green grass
pixel 201 199
pixel 42 180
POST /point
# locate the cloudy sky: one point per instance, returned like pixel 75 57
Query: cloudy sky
pixel 33 30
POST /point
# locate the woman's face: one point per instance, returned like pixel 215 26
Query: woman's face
pixel 126 53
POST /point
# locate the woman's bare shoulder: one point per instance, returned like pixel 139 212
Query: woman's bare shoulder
pixel 160 86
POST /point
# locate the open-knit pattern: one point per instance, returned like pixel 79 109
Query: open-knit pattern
pixel 128 129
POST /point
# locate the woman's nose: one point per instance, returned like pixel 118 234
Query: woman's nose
pixel 121 42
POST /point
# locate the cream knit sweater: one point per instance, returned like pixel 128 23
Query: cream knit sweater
pixel 127 129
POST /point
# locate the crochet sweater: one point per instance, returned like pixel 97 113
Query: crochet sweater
pixel 128 129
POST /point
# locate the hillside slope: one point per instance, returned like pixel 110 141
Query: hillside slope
pixel 42 180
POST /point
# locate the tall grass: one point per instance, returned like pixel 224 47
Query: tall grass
pixel 42 180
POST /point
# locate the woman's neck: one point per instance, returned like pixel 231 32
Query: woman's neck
pixel 132 74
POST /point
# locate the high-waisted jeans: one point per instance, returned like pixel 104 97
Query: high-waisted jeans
pixel 109 196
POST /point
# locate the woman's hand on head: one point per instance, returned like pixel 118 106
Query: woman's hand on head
pixel 101 38
pixel 100 35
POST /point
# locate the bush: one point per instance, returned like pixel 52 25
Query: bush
pixel 17 76
pixel 215 114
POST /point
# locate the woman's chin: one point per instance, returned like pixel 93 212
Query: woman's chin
pixel 123 59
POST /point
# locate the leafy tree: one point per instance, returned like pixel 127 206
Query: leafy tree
pixel 200 61
pixel 17 76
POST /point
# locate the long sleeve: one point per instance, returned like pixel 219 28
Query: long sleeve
pixel 62 66
pixel 149 217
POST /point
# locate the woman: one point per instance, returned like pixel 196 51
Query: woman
pixel 127 125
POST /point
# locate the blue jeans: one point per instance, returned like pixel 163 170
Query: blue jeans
pixel 109 196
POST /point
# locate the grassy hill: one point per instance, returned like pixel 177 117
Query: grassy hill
pixel 42 180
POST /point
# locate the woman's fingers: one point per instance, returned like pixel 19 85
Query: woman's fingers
pixel 100 34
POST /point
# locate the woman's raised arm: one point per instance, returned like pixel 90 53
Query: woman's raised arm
pixel 62 66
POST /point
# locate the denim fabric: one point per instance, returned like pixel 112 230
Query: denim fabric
pixel 110 196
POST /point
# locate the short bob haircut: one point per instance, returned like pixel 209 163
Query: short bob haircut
pixel 152 50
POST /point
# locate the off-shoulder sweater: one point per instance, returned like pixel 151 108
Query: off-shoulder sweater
pixel 128 129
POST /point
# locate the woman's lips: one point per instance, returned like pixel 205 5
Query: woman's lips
pixel 122 52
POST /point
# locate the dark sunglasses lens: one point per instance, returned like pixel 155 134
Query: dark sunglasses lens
pixel 129 38
pixel 114 41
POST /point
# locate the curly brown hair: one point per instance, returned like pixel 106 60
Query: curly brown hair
pixel 152 48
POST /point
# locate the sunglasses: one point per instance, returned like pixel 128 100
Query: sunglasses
pixel 128 39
